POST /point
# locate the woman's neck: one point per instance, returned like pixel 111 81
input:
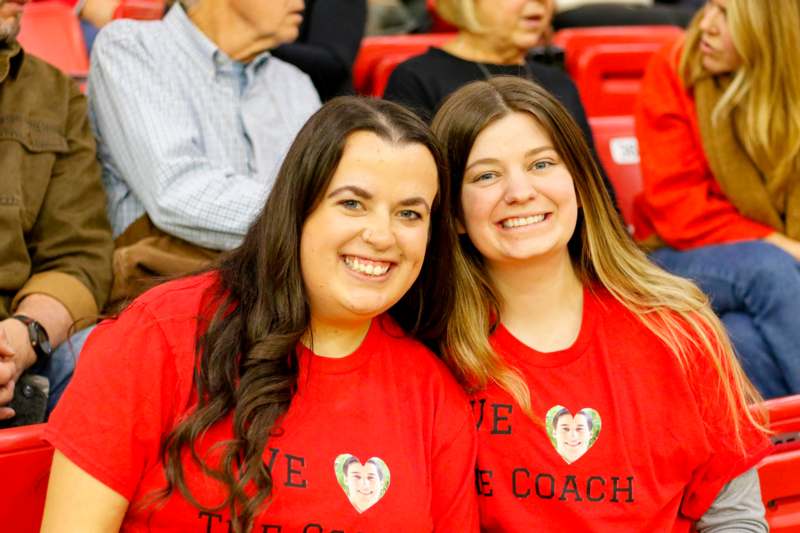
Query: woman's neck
pixel 335 339
pixel 482 49
pixel 541 302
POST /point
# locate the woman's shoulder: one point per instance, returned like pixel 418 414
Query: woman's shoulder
pixel 412 358
pixel 185 298
pixel 432 58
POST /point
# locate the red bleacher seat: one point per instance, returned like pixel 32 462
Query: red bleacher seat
pixel 383 70
pixel 374 49
pixel 780 472
pixel 575 41
pixel 439 25
pixel 618 150
pixel 139 9
pixel 24 468
pixel 609 77
pixel 51 31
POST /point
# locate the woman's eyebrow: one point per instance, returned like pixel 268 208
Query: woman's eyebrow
pixel 490 160
pixel 358 191
pixel 415 201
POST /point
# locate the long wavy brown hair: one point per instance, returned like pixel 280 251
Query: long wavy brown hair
pixel 602 252
pixel 247 361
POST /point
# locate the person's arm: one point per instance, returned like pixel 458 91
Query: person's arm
pixel 71 489
pixel 97 12
pixel 69 243
pixel 328 46
pixel 146 123
pixel 737 509
pixel 680 198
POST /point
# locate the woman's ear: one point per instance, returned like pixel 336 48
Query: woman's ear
pixel 460 229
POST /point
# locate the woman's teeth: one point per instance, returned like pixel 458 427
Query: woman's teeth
pixel 369 268
pixel 523 221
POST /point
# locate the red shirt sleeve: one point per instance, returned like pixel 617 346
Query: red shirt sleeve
pixel 120 402
pixel 681 201
pixel 454 502
pixel 726 459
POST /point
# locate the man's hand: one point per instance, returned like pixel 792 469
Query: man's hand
pixel 790 246
pixel 7 368
pixel 16 355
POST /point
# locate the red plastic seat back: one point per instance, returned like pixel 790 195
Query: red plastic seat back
pixel 576 41
pixel 50 30
pixel 25 460
pixel 439 24
pixel 618 150
pixel 383 70
pixel 609 77
pixel 140 9
pixel 779 473
pixel 374 49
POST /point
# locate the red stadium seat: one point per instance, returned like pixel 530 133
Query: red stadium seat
pixel 50 30
pixel 374 49
pixel 139 9
pixel 780 472
pixel 575 41
pixel 383 70
pixel 439 24
pixel 24 468
pixel 609 77
pixel 618 150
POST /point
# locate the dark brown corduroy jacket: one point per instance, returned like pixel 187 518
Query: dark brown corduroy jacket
pixel 55 237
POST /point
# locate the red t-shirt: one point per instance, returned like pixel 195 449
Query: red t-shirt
pixel 380 440
pixel 632 442
pixel 681 200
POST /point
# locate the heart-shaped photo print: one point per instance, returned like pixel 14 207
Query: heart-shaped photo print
pixel 363 483
pixel 572 435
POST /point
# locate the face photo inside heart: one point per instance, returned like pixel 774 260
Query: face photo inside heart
pixel 363 483
pixel 572 434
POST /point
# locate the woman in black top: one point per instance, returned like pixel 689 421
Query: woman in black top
pixel 494 39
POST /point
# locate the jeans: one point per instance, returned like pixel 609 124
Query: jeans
pixel 754 288
pixel 62 364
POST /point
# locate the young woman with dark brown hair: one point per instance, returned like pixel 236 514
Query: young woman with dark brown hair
pixel 234 399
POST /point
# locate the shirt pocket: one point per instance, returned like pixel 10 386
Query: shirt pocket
pixel 29 150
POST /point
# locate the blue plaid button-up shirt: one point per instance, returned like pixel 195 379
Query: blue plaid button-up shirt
pixel 186 134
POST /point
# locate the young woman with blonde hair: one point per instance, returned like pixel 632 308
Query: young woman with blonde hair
pixel 718 123
pixel 607 395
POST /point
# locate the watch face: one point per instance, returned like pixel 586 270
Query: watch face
pixel 42 340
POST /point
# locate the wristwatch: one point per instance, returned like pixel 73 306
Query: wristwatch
pixel 40 342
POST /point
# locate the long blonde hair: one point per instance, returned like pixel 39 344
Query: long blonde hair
pixel 764 94
pixel 673 308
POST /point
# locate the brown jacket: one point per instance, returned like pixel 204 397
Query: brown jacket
pixel 55 237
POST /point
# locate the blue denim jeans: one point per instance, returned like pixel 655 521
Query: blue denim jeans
pixel 754 288
pixel 62 364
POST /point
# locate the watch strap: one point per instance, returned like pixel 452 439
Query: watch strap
pixel 37 333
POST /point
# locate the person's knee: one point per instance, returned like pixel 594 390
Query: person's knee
pixel 770 267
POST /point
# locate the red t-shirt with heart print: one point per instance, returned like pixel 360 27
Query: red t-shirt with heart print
pixel 380 440
pixel 623 439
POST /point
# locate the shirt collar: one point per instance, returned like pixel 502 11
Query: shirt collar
pixel 203 48
pixel 11 57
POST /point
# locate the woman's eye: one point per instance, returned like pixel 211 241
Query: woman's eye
pixel 410 214
pixel 541 165
pixel 483 177
pixel 350 204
